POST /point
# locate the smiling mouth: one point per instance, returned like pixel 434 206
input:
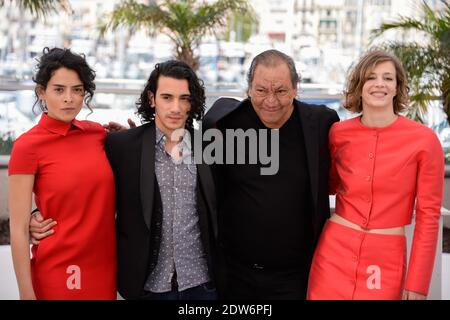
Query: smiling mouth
pixel 271 110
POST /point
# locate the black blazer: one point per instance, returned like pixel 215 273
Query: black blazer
pixel 316 121
pixel 139 211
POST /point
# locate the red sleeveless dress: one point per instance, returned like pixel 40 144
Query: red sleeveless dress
pixel 74 185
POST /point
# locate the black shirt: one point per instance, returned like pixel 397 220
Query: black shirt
pixel 266 219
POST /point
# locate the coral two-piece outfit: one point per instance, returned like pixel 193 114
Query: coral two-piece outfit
pixel 378 175
pixel 74 185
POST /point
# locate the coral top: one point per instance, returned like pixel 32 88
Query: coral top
pixel 378 174
pixel 74 185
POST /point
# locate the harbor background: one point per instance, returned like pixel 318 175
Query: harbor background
pixel 323 36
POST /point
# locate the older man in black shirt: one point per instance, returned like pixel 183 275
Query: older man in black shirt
pixel 269 224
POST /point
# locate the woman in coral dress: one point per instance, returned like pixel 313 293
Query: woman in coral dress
pixel 383 165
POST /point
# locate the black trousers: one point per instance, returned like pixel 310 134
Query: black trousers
pixel 255 282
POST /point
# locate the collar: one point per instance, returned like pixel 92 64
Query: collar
pixel 160 137
pixel 57 126
pixel 185 145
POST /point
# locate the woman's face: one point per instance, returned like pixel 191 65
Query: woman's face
pixel 64 95
pixel 380 87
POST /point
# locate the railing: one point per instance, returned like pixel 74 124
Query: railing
pixel 134 87
pixel 4 162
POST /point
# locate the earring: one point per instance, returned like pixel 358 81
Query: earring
pixel 44 105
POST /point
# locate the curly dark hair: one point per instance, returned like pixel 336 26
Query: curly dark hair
pixel 177 70
pixel 56 58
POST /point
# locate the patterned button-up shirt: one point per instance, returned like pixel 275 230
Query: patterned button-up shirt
pixel 181 248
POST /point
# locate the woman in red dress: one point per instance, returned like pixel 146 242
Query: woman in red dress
pixel 62 161
pixel 382 165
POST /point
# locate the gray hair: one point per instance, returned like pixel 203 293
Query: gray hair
pixel 272 58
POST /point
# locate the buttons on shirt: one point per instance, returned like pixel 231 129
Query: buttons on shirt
pixel 368 178
pixel 355 258
pixel 370 155
pixel 176 236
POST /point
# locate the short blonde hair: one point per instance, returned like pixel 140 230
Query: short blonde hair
pixel 360 72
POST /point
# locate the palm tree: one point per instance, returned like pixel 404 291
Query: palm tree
pixel 427 64
pixel 40 7
pixel 185 22
pixel 244 26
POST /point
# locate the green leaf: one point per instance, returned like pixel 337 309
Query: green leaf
pixel 40 8
pixel 185 22
pixel 427 65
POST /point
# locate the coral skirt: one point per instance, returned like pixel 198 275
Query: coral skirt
pixel 349 264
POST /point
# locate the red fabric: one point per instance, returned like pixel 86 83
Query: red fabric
pixel 349 264
pixel 379 173
pixel 74 185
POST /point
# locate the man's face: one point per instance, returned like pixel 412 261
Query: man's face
pixel 172 103
pixel 272 94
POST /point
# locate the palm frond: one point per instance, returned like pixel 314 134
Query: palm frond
pixel 432 23
pixel 132 14
pixel 184 21
pixel 40 8
pixel 403 23
pixel 427 65
pixel 420 64
pixel 190 22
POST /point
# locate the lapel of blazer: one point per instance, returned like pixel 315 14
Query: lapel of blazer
pixel 206 183
pixel 147 178
pixel 311 133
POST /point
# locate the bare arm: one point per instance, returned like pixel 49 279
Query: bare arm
pixel 20 197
